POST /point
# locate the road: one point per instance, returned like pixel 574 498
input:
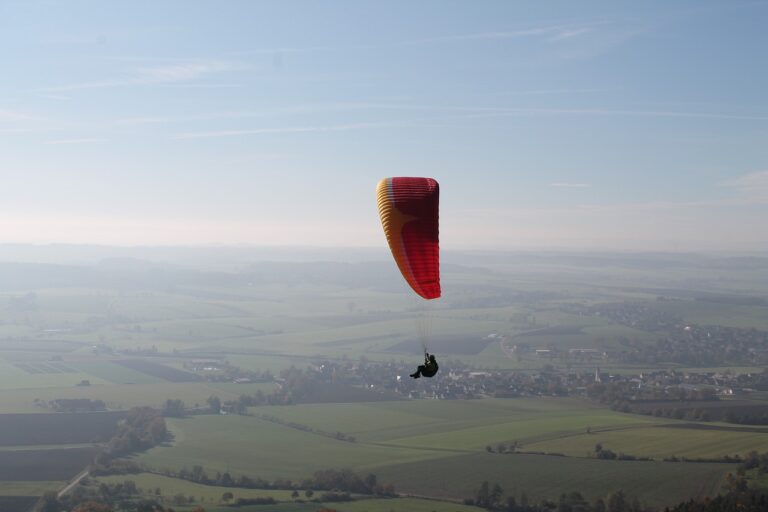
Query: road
pixel 73 483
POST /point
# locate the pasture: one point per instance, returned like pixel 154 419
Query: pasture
pixel 458 476
pixel 659 441
pixel 363 505
pixel 718 313
pixel 147 483
pixel 26 376
pixel 16 503
pixel 437 448
pixel 43 465
pixel 57 428
pixel 116 397
pixel 209 496
pixel 456 425
pixel 31 488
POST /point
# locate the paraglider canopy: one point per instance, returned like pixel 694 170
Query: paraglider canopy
pixel 409 208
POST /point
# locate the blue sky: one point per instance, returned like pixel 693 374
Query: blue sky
pixel 581 125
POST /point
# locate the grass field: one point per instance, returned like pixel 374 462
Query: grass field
pixel 458 425
pixel 14 377
pixel 57 428
pixel 147 483
pixel 658 442
pixel 116 397
pixel 12 503
pixel 458 476
pixel 714 313
pixel 116 373
pixel 43 465
pixel 363 505
pixel 437 447
pixel 209 496
pixel 247 445
pixel 31 488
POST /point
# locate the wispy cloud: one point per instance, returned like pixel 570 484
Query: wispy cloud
pixel 570 34
pixel 512 111
pixel 75 141
pixel 481 111
pixel 561 184
pixel 451 114
pixel 11 116
pixel 752 186
pixel 156 75
pixel 278 130
pixel 135 121
pixel 491 35
pixel 551 32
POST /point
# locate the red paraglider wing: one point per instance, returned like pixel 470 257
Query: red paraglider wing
pixel 409 209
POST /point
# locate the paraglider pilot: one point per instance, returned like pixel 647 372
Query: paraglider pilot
pixel 428 369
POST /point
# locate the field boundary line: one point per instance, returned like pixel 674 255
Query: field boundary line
pixel 565 434
pixel 425 448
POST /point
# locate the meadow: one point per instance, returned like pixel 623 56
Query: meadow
pixel 438 448
pixel 654 483
pixel 660 441
pixel 209 496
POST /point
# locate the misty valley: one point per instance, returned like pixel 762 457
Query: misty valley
pixel 220 378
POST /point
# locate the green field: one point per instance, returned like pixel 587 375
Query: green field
pixel 438 447
pixel 458 476
pixel 36 488
pixel 147 483
pixel 116 396
pixel 363 505
pixel 456 425
pixel 209 495
pixel 714 313
pixel 658 442
pixel 13 377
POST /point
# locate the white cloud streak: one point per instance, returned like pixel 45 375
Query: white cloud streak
pixel 569 185
pixel 550 32
pixel 752 187
pixel 11 116
pixel 156 75
pixel 462 113
pixel 296 129
pixel 74 141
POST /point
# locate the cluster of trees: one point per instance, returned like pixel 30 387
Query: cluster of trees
pixel 738 498
pixel 606 454
pixel 340 436
pixel 725 459
pixel 743 500
pixel 747 417
pixel 336 480
pixel 142 428
pixel 756 414
pixel 620 395
pixel 503 447
pixel 678 413
pixel 120 496
pixel 754 461
pixel 174 408
pixel 492 497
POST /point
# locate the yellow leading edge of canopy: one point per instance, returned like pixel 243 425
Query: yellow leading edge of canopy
pixel 393 220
